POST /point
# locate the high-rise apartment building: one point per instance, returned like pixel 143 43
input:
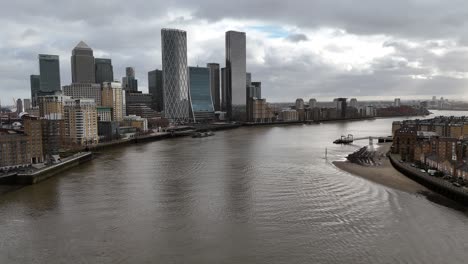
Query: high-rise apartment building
pixel 103 70
pixel 353 103
pixel 155 87
pixel 81 121
pixel 201 104
pixel 84 90
pixel 51 106
pixel 236 75
pixel 35 82
pixel 82 64
pixel 215 85
pixel 113 96
pixel 129 82
pixel 175 75
pixel 49 72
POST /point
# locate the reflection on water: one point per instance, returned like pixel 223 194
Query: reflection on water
pixel 253 195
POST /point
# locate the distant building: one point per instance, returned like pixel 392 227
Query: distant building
pixel 353 103
pixel 51 106
pixel 49 68
pixel 289 115
pixel 81 121
pixel 113 96
pixel 26 105
pixel 175 75
pixel 35 82
pixel 104 113
pixel 201 104
pixel 341 107
pixel 155 88
pixel 254 90
pixel 225 96
pixel 137 122
pixel 82 64
pixel 312 103
pixel 13 148
pixel 397 102
pixel 236 75
pixel 33 131
pixel 300 109
pixel 129 82
pixel 84 90
pixel 19 106
pixel 259 111
pixel 108 131
pixel 103 70
pixel 215 85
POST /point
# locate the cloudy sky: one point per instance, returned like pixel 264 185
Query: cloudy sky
pixel 308 48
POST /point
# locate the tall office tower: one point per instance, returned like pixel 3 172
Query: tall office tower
pixel 312 103
pixel 341 106
pixel 201 104
pixel 236 74
pixel 113 96
pixel 19 106
pixel 353 102
pixel 248 79
pixel 26 104
pixel 35 81
pixel 49 72
pixel 225 96
pixel 82 64
pixel 129 83
pixel 155 88
pixel 397 102
pixel 255 90
pixel 214 85
pixel 84 90
pixel 81 121
pixel 103 70
pixel 175 75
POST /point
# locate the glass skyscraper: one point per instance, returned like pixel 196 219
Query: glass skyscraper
pixel 129 82
pixel 175 75
pixel 103 70
pixel 35 81
pixel 236 75
pixel 49 72
pixel 155 87
pixel 214 85
pixel 82 64
pixel 200 94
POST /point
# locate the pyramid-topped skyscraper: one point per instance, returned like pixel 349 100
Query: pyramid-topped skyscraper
pixel 82 64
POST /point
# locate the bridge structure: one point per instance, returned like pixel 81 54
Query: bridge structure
pixel 350 139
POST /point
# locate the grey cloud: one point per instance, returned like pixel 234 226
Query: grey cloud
pixel 297 37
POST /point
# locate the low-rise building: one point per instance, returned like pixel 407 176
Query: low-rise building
pixel 137 122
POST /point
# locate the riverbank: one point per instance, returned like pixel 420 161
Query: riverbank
pixel 384 174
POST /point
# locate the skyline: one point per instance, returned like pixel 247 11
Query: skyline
pixel 323 55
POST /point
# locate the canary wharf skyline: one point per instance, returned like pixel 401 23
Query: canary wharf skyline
pixel 322 49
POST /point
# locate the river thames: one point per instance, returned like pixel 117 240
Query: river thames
pixel 249 195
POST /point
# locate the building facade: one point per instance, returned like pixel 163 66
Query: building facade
pixel 129 82
pixel 201 104
pixel 84 90
pixel 215 85
pixel 155 88
pixel 49 72
pixel 175 75
pixel 82 64
pixel 112 95
pixel 81 121
pixel 104 71
pixel 35 82
pixel 51 106
pixel 236 75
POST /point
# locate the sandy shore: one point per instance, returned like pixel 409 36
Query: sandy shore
pixel 384 174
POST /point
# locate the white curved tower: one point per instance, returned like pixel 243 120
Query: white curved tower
pixel 175 75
